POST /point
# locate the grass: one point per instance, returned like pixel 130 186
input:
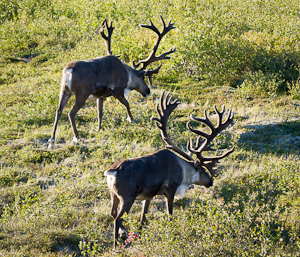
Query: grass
pixel 241 54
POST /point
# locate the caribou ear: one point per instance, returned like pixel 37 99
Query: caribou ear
pixel 141 73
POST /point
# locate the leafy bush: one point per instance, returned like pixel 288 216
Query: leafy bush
pixel 218 42
pixel 294 89
pixel 260 84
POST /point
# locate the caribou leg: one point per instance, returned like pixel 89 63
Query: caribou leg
pixel 100 112
pixel 123 101
pixel 80 101
pixel 125 207
pixel 145 211
pixel 169 200
pixel 114 207
pixel 66 94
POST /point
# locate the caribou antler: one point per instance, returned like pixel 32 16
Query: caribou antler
pixel 164 108
pixel 109 33
pixel 152 58
pixel 201 146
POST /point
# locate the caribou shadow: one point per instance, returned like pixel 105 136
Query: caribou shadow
pixel 272 138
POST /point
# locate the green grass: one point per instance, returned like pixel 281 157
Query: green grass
pixel 244 54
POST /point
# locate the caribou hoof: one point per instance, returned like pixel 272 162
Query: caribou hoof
pixel 76 140
pixel 51 143
pixel 123 233
pixel 130 120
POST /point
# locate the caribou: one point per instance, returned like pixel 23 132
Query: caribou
pixel 107 76
pixel 165 172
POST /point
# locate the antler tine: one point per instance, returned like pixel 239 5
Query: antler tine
pixel 201 146
pixel 229 118
pixel 168 28
pixel 220 114
pixel 152 58
pixel 164 108
pixel 150 73
pixel 158 121
pixel 135 66
pixel 214 130
pixel 199 143
pixel 205 121
pixel 109 34
pixel 151 26
pixel 210 164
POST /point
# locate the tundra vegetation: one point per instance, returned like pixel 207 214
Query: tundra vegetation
pixel 244 54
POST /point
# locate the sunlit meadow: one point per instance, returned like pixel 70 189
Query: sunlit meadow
pixel 241 54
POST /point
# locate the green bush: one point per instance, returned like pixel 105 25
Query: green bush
pixel 260 84
pixel 218 42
